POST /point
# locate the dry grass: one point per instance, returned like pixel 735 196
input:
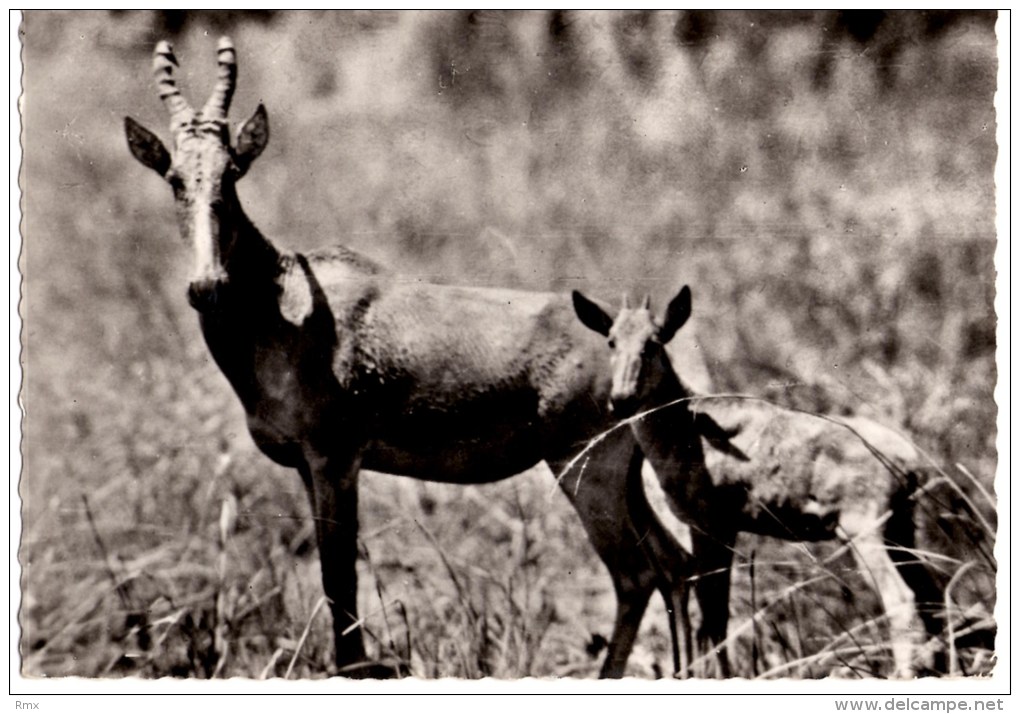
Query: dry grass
pixel 832 208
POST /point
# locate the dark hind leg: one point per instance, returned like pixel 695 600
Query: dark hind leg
pixel 713 553
pixel 631 602
pixel 900 534
pixel 601 505
pixel 628 543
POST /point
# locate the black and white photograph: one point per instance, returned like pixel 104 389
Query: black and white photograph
pixel 546 345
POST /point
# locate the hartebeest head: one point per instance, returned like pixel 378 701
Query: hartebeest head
pixel 637 339
pixel 204 167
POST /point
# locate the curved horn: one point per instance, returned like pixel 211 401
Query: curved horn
pixel 219 103
pixel 163 63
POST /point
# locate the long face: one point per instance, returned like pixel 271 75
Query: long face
pixel 637 360
pixel 204 167
pixel 203 186
pixel 639 363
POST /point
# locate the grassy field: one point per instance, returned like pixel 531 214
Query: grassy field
pixel 824 183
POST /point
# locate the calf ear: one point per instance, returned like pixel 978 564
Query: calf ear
pixel 676 315
pixel 146 147
pixel 593 316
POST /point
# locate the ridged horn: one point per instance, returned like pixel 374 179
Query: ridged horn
pixel 219 103
pixel 163 64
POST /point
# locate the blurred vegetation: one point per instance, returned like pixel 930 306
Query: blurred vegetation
pixel 823 180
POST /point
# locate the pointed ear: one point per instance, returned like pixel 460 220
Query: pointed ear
pixel 146 147
pixel 252 138
pixel 593 316
pixel 676 315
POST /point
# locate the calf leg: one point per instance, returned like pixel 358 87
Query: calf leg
pixel 607 494
pixel 671 563
pixel 713 553
pixel 676 597
pixel 872 556
pixel 928 593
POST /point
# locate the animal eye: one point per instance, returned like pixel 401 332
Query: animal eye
pixel 612 343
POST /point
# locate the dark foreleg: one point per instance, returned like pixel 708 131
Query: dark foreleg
pixel 332 483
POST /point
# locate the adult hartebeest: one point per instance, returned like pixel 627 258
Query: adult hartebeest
pixel 340 365
pixel 732 464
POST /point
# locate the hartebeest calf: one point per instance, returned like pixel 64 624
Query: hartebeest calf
pixel 733 465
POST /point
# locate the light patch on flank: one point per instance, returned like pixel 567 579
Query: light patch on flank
pixel 295 293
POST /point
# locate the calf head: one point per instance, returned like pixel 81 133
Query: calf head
pixel 637 339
